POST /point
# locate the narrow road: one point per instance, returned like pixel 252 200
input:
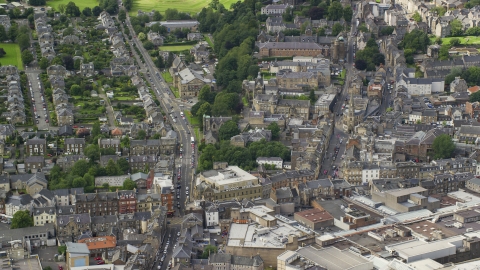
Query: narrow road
pixel 36 95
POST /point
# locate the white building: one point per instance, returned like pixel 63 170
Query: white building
pixel 414 117
pixel 275 161
pixel 211 215
pixel 17 203
pixel 478 169
pixel 113 181
pixel 422 86
pixel 44 215
pixel 370 172
pixel 161 181
pixel 274 9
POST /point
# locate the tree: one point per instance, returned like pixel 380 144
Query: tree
pixel 123 165
pixel 122 15
pixel 207 250
pixel 157 16
pixel 228 130
pixel 62 249
pixel 348 14
pixel 159 62
pixel 336 29
pixel 275 129
pixel 443 147
pixel 316 13
pixel 360 64
pixel 416 17
pixel 312 96
pixel 43 63
pixel 386 31
pixel 27 57
pixel 378 59
pixel 21 219
pixel 2 52
pixel 80 168
pixel 92 152
pixel 36 2
pixel 96 10
pixel 95 129
pixel 141 135
pixel 61 8
pixel 78 182
pixel 416 40
pixel 76 64
pixel 335 11
pixel 128 4
pixel 206 94
pixel 111 168
pixel 457 28
pixel 142 36
pixel 87 12
pixel 68 31
pixel 3 33
pixel 288 14
pixel 475 97
pixel 454 41
pixel 148 45
pixel 72 10
pixel 75 90
pixel 47 268
pixel 205 109
pixel 125 142
pixel 439 10
pixel 23 41
pixel 129 184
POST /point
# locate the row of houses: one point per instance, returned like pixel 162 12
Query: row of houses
pixel 12 89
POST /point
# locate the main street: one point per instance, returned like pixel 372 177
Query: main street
pixel 172 109
pixel 331 158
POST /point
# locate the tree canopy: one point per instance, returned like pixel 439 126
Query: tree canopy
pixel 21 219
pixel 228 130
pixel 443 147
pixel 416 40
pixel 244 157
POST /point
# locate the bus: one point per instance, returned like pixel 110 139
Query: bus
pixel 192 139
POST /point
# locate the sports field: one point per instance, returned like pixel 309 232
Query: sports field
pixel 189 6
pixel 13 56
pixel 470 40
pixel 176 48
pixel 80 4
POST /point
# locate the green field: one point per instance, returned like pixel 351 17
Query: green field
pixel 13 56
pixel 176 48
pixel 80 4
pixel 189 6
pixel 470 40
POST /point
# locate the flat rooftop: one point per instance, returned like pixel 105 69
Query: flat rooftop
pixel 445 200
pixel 334 259
pixel 405 191
pixel 273 237
pixel 363 240
pixel 231 177
pixel 425 228
pixel 27 264
pixel 314 215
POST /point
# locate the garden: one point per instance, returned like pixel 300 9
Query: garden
pixel 12 55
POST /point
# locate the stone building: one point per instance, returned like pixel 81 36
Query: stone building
pixel 211 125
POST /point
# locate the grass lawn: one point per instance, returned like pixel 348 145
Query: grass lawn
pixel 175 48
pixel 245 102
pixel 175 92
pixel 13 56
pixel 198 134
pixel 189 6
pixel 80 4
pixel 192 120
pixel 209 41
pixel 167 77
pixel 463 40
pixel 268 75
